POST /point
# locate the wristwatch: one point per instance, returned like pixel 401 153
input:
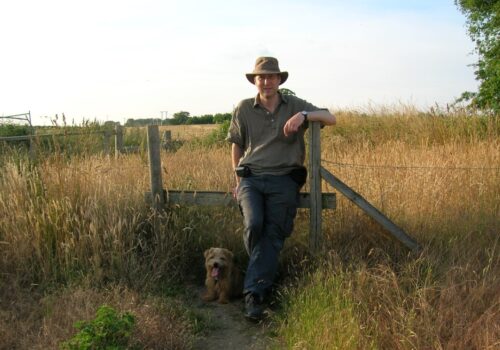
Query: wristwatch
pixel 305 113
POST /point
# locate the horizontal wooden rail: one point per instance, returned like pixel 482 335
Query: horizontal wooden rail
pixel 213 198
pixel 15 115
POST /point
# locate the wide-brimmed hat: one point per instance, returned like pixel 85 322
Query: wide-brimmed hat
pixel 266 65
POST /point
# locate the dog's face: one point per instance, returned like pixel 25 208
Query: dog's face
pixel 217 261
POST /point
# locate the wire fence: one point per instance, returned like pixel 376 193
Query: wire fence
pixel 104 170
pixel 406 167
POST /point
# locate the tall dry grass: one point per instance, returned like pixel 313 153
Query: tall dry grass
pixel 439 179
pixel 83 221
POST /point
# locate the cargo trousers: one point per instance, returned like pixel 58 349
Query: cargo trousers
pixel 269 206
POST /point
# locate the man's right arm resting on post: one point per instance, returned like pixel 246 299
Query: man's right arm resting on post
pixel 236 154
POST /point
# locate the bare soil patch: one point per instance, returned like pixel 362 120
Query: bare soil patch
pixel 227 328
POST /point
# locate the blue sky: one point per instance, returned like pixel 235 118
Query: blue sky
pixel 114 60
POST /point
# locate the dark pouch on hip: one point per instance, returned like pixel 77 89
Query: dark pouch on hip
pixel 299 175
pixel 243 171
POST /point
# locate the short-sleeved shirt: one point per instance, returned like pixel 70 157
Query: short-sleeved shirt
pixel 259 133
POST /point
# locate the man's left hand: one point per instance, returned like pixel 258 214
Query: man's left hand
pixel 293 124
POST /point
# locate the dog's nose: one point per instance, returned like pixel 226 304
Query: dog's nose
pixel 216 265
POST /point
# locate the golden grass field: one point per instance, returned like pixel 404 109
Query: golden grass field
pixel 188 132
pixel 75 233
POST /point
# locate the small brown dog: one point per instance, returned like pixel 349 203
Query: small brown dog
pixel 223 279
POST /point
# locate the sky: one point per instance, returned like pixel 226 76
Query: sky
pixel 110 60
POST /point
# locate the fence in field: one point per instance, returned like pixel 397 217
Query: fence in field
pixel 315 200
pixel 108 142
pixel 24 117
pixel 107 134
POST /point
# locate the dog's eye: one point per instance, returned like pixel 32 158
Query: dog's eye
pixel 223 258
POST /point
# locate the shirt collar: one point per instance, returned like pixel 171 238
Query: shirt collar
pixel 256 101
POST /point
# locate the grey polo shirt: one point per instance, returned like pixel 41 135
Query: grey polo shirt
pixel 260 135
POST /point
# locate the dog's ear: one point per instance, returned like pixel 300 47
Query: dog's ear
pixel 229 254
pixel 207 252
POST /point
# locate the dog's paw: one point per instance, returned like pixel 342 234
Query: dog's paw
pixel 208 297
pixel 223 301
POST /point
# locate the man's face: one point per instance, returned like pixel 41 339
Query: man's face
pixel 267 84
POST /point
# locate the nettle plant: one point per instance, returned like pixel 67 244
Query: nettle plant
pixel 108 330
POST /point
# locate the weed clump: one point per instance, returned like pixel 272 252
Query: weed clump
pixel 109 330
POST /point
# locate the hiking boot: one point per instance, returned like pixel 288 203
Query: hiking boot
pixel 254 307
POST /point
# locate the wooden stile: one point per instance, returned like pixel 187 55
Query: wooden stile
pixel 316 201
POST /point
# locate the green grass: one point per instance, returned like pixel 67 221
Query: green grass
pixel 320 313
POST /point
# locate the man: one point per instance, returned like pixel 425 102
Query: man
pixel 268 151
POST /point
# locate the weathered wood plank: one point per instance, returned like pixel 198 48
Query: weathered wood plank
pixel 315 236
pixel 357 199
pixel 107 142
pixel 214 198
pixel 158 198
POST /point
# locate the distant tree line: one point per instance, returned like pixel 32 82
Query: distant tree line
pixel 185 118
pixel 181 118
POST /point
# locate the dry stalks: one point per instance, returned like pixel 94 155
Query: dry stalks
pixel 68 220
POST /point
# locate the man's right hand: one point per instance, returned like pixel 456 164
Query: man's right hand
pixel 235 191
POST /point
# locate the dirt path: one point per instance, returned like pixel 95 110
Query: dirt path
pixel 227 328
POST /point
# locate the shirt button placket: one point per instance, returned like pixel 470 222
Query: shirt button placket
pixel 271 116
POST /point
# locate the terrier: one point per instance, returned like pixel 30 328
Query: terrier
pixel 223 279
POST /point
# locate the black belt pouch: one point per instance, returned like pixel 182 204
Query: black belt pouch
pixel 299 175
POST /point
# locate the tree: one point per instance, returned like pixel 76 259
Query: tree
pixel 203 119
pixel 483 22
pixel 180 118
pixel 220 118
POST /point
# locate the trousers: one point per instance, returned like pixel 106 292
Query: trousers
pixel 269 206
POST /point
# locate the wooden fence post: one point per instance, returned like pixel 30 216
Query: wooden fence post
pixel 32 149
pixel 118 140
pixel 315 235
pixel 155 167
pixel 107 141
pixel 167 139
pixel 167 136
